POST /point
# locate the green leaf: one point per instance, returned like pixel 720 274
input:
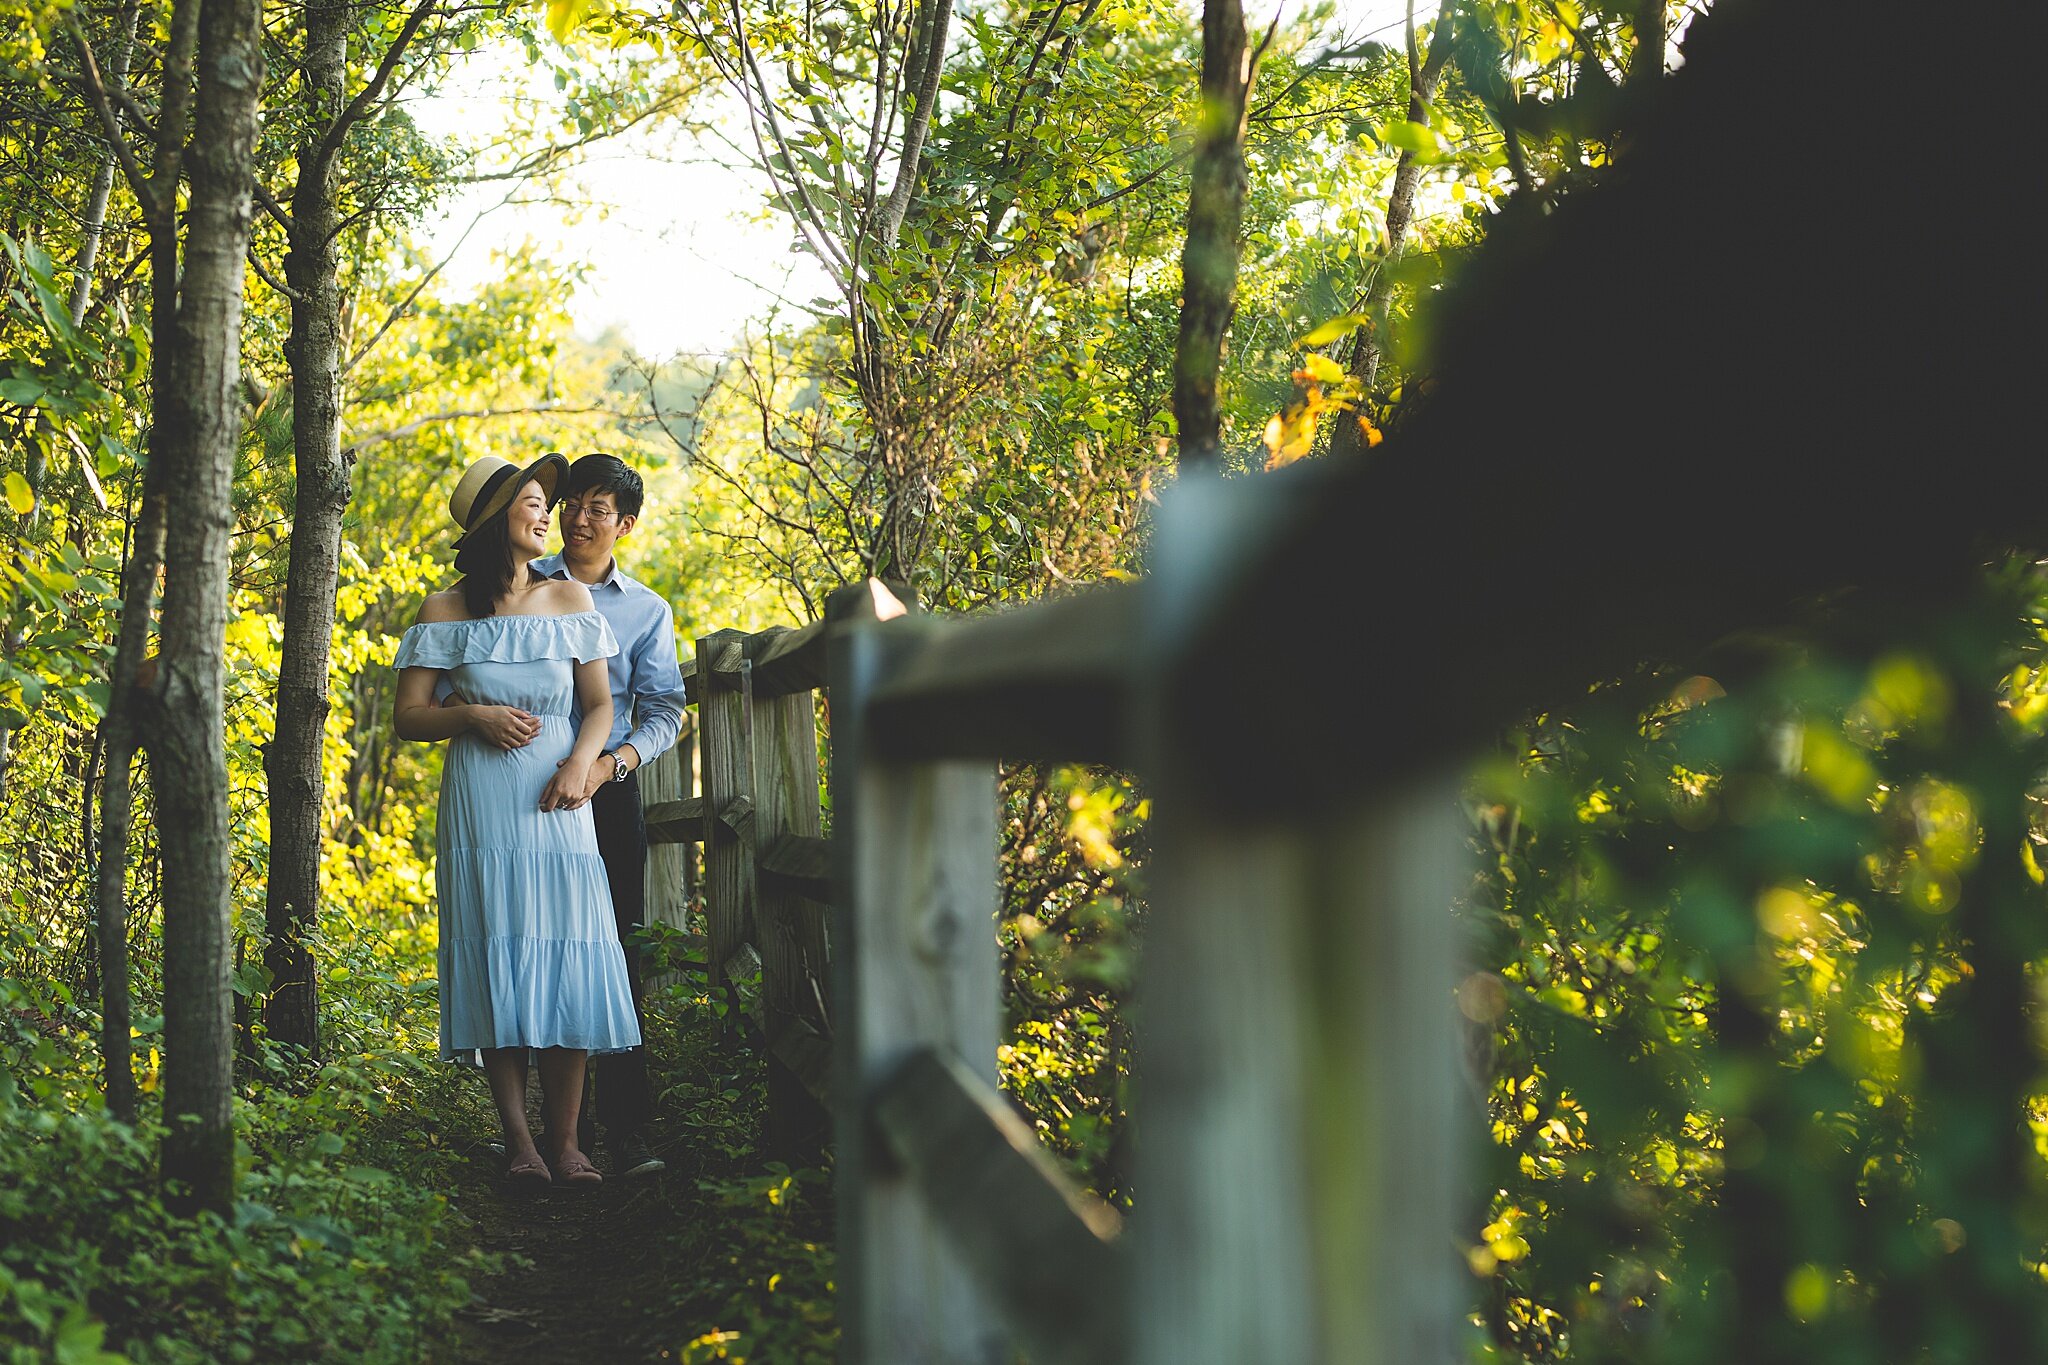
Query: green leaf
pixel 20 496
pixel 1417 138
pixel 1333 329
pixel 80 1339
pixel 26 392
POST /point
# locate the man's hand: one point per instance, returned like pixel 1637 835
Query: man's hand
pixel 508 727
pixel 595 776
pixel 570 779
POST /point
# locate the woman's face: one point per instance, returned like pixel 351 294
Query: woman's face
pixel 527 521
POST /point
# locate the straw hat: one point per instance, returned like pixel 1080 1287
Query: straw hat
pixel 486 488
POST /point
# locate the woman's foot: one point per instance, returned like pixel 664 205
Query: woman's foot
pixel 574 1169
pixel 528 1172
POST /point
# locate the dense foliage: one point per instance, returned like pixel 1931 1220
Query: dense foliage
pixel 1756 936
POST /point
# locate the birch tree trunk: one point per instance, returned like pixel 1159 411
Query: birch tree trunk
pixel 1215 218
pixel 103 178
pixel 293 766
pixel 187 740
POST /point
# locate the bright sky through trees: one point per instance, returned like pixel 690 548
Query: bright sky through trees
pixel 677 248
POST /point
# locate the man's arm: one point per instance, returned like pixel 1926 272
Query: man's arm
pixel 656 689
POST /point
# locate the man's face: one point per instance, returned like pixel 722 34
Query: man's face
pixel 591 524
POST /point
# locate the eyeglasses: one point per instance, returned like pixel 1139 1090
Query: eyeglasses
pixel 597 516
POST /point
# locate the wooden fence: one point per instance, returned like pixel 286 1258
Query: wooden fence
pixel 1299 1144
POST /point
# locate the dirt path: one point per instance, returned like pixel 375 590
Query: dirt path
pixel 637 1269
pixel 583 1279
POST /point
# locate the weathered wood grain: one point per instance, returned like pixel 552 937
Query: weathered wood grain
pixel 664 788
pixel 1303 1144
pixel 1039 1248
pixel 675 821
pixel 792 943
pixel 808 1056
pixel 799 865
pixel 914 960
pixel 725 723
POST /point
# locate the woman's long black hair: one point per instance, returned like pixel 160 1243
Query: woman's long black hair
pixel 484 560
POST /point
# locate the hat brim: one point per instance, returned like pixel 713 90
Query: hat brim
pixel 550 470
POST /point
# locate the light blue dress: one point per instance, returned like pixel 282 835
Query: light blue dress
pixel 529 953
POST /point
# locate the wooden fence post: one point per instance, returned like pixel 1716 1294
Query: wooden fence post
pixel 914 958
pixel 669 778
pixel 725 722
pixel 1301 1141
pixel 789 929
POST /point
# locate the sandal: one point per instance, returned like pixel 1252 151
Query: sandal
pixel 528 1174
pixel 576 1171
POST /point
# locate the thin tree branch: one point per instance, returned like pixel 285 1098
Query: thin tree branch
pixel 144 189
pixel 336 131
pixel 354 448
pixel 272 207
pixel 404 305
pixel 263 273
pixel 912 160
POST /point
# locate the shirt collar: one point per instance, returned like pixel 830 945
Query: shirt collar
pixel 554 566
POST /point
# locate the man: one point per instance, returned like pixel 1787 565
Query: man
pixel 599 509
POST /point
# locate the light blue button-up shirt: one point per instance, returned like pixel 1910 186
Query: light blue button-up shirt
pixel 647 682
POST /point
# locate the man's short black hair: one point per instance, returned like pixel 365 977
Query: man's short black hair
pixel 601 473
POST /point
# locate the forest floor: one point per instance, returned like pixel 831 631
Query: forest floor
pixel 580 1279
pixel 719 1257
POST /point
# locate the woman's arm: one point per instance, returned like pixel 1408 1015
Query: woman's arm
pixel 415 716
pixel 594 697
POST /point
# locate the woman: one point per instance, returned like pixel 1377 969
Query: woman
pixel 529 955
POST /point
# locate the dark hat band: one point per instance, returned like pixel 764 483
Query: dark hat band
pixel 487 492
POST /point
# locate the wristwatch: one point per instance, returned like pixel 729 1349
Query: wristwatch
pixel 620 772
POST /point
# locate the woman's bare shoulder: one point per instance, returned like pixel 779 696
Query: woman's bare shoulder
pixel 445 605
pixel 566 595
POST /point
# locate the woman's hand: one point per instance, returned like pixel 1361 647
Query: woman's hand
pixel 595 775
pixel 564 790
pixel 508 727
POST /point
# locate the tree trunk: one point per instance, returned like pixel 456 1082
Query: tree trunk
pixel 1653 39
pixel 1368 342
pixel 293 767
pixel 1215 216
pixel 103 178
pixel 128 704
pixel 927 59
pixel 187 741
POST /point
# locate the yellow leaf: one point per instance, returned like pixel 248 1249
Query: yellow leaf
pixel 1289 435
pixel 20 496
pixel 1323 368
pixel 1333 329
pixel 564 16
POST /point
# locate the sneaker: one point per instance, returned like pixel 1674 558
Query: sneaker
pixel 630 1157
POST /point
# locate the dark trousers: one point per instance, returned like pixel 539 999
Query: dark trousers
pixel 621 1077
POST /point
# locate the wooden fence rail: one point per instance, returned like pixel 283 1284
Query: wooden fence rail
pixel 1298 1149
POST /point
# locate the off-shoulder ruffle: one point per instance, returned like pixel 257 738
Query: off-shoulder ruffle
pixel 581 636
